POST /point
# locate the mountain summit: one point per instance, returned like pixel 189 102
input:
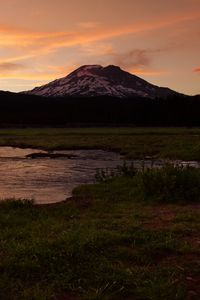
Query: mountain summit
pixel 95 80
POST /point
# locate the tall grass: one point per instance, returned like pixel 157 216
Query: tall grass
pixel 171 183
pixel 115 248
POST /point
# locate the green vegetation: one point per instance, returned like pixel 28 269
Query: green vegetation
pixel 134 236
pixel 169 184
pixel 176 143
pixel 109 242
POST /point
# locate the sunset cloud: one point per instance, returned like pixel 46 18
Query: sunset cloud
pixel 197 70
pixel 9 67
pixel 136 58
pixel 50 41
pixel 150 72
pixel 41 40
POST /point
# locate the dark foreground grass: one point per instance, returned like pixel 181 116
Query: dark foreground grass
pixel 176 143
pixel 105 243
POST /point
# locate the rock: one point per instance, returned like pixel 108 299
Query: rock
pixel 50 155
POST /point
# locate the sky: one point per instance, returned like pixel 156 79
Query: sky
pixel 41 40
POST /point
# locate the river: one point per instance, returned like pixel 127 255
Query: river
pixel 47 180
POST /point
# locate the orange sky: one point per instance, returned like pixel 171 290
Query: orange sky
pixel 42 40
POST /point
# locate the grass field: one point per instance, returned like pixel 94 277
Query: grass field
pixel 129 237
pixel 106 243
pixel 176 143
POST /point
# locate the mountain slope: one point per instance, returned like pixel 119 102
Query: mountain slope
pixel 95 80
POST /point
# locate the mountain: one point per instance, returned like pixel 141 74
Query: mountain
pixel 95 80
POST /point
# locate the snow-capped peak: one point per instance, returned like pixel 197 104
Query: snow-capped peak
pixel 95 80
pixel 87 70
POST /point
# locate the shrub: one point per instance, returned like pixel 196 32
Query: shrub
pixel 169 184
pixel 103 175
pixel 18 203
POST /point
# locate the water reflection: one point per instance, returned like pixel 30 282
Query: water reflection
pixel 49 180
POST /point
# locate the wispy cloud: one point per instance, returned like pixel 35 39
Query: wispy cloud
pixel 9 67
pixel 197 70
pixel 88 25
pixel 149 72
pixel 137 61
pixel 136 58
pixel 42 43
pixel 26 54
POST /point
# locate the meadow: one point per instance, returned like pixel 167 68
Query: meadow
pixel 172 143
pixel 133 235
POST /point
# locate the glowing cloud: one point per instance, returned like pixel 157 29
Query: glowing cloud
pixel 43 40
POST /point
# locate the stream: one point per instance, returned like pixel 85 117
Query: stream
pixel 50 177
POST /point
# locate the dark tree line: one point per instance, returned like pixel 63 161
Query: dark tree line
pixel 25 110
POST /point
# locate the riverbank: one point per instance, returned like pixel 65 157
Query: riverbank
pixel 106 243
pixel 133 143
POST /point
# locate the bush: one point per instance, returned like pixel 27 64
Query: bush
pixel 169 184
pixel 17 203
pixel 103 175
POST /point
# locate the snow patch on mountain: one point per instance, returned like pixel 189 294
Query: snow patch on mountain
pixel 95 80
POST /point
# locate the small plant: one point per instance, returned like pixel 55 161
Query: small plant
pixel 127 170
pixel 103 175
pixel 18 203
